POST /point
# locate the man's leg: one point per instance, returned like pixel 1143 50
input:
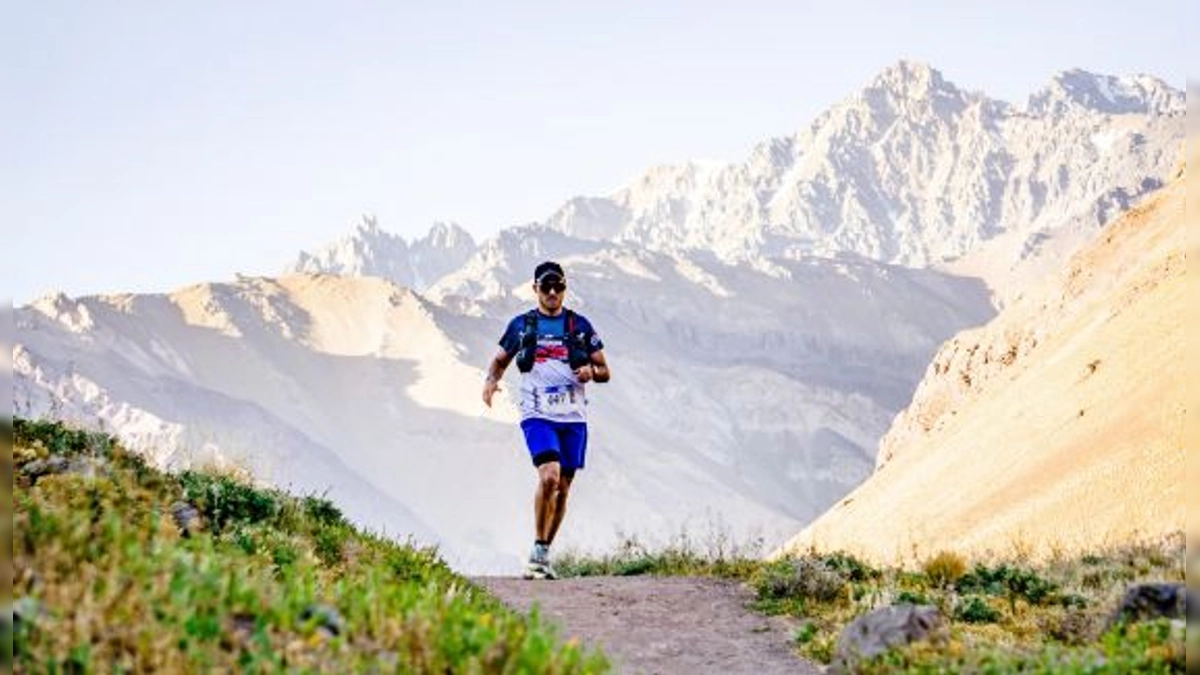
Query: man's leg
pixel 545 501
pixel 560 507
pixel 572 438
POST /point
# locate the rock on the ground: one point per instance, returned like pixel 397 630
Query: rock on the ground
pixel 885 628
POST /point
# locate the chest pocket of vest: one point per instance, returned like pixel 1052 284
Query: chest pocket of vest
pixel 529 338
pixel 577 355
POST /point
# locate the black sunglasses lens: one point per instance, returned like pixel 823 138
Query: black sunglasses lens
pixel 556 287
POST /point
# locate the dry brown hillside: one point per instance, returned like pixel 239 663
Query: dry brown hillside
pixel 1058 426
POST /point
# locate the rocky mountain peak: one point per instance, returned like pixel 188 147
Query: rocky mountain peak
pixel 912 169
pixel 368 226
pixel 910 79
pixel 370 250
pixel 447 235
pixel 1080 89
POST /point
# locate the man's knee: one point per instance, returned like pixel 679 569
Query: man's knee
pixel 549 474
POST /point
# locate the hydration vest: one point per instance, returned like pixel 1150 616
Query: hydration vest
pixel 577 355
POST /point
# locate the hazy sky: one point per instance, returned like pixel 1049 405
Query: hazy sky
pixel 149 145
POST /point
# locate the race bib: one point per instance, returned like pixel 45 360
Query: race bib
pixel 562 400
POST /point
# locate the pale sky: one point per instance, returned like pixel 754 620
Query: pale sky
pixel 150 145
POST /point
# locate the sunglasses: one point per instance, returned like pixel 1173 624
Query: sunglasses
pixel 552 286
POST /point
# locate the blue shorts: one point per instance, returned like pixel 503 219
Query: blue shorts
pixel 562 442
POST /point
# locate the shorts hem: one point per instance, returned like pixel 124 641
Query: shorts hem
pixel 545 457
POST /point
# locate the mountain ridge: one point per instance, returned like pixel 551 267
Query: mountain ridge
pixel 910 169
pixel 372 251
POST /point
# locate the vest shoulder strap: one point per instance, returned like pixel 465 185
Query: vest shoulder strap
pixel 531 321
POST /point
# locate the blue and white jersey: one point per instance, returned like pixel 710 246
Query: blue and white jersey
pixel 550 389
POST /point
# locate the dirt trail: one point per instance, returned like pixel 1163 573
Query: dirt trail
pixel 659 625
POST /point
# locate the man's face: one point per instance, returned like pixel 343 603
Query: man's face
pixel 550 289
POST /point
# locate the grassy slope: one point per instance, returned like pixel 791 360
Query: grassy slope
pixel 1003 615
pixel 105 579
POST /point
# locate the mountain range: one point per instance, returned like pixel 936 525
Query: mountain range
pixel 372 252
pixel 765 320
pixel 910 170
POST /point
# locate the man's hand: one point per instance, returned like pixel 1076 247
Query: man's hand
pixel 495 371
pixel 490 387
pixel 585 373
pixel 598 368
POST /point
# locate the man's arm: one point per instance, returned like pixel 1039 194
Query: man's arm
pixel 491 383
pixel 596 370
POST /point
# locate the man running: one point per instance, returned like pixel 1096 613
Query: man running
pixel 557 352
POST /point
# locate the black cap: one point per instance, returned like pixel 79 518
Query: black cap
pixel 548 267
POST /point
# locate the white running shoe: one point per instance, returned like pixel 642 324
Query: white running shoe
pixel 538 566
pixel 536 571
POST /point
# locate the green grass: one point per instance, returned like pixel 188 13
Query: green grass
pixel 682 556
pixel 107 582
pixel 1002 616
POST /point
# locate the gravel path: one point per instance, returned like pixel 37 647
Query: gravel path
pixel 659 625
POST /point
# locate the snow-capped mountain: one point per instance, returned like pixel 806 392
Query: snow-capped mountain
pixel 910 170
pixel 372 251
pixel 1107 94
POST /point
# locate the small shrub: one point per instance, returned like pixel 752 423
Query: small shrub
pixel 323 511
pixel 409 563
pixel 223 500
pixel 984 580
pixel 635 567
pixel 1029 585
pixel 775 580
pixel 822 647
pixel 912 598
pixel 945 568
pixel 570 565
pixel 1003 580
pixel 799 577
pixel 245 541
pixel 851 568
pixel 284 555
pixel 976 610
pixel 329 543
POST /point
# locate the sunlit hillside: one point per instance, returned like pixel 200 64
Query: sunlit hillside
pixel 1057 426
